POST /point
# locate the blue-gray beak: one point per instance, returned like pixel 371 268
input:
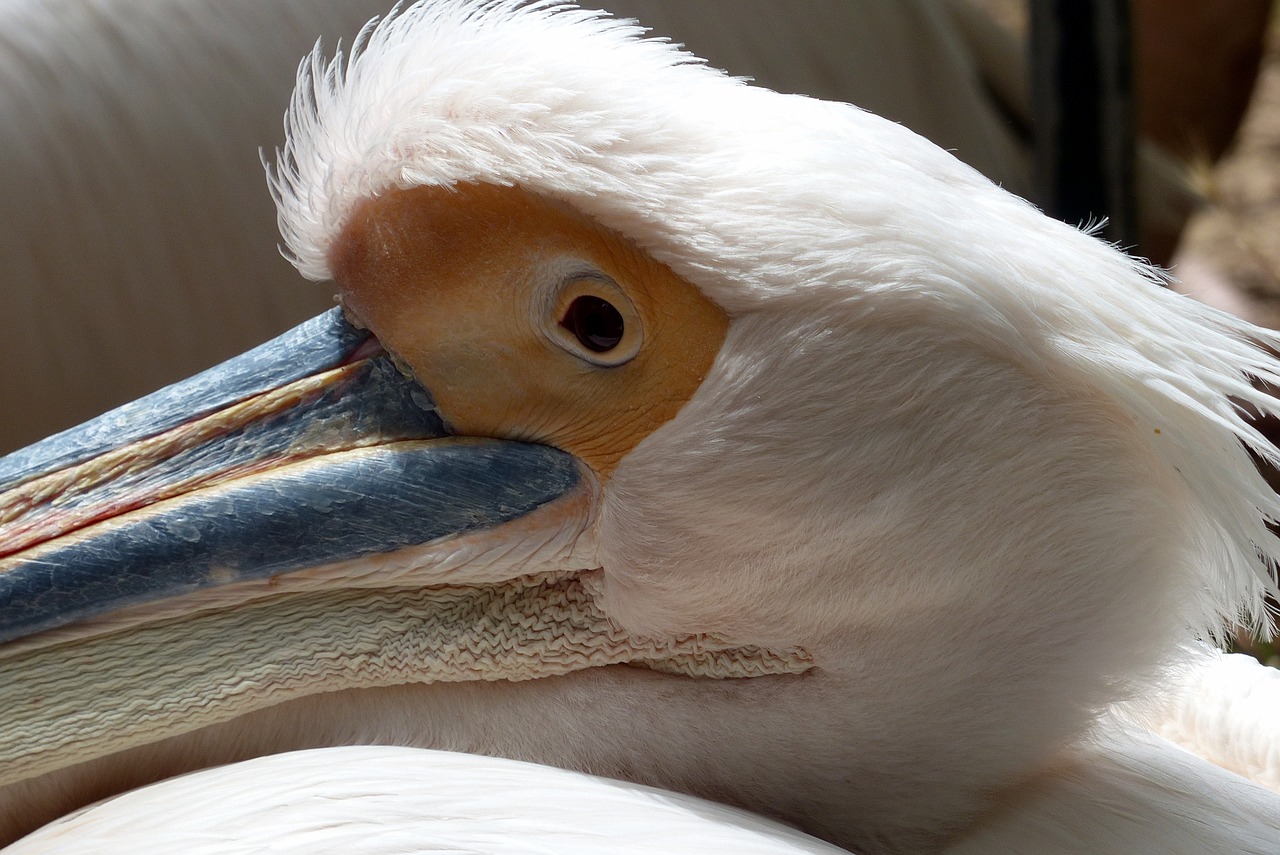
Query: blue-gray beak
pixel 308 450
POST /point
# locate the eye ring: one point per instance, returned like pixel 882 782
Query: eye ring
pixel 594 320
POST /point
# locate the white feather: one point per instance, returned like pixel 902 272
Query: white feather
pixel 1132 793
pixel 1228 712
pixel 371 800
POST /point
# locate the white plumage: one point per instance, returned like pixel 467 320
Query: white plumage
pixel 1129 792
pixel 379 799
pixel 1227 715
pixel 980 466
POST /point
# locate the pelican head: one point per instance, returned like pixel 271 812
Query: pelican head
pixel 673 429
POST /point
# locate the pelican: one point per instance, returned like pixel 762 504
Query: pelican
pixel 674 430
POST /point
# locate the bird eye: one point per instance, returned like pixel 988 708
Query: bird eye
pixel 590 316
pixel 595 323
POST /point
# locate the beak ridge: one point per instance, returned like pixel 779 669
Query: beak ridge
pixel 323 342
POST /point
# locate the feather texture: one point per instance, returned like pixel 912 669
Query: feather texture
pixel 370 800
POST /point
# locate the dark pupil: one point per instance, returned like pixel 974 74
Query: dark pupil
pixel 595 323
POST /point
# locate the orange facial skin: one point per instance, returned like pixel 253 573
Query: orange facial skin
pixel 473 287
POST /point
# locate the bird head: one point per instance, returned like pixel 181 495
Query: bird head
pixel 865 460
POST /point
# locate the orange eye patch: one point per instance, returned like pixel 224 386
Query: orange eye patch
pixel 526 319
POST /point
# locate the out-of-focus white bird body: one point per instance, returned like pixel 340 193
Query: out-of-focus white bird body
pixel 130 155
pixel 1227 714
pixel 1128 791
pixel 371 800
pixel 980 467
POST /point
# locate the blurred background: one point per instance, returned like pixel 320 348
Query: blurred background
pixel 1206 90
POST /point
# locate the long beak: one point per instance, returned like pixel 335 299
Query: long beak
pixel 308 450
